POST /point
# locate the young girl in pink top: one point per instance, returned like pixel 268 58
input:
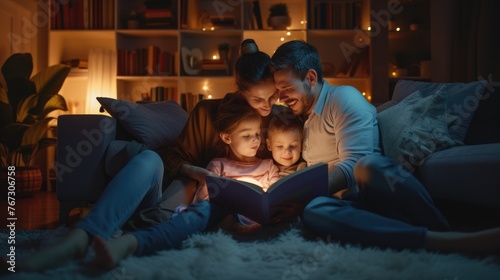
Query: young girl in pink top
pixel 240 137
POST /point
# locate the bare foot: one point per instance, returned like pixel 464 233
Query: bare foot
pixel 109 253
pixel 70 247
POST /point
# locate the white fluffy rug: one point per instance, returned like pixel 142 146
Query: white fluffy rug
pixel 287 256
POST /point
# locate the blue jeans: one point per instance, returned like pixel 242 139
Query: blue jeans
pixel 392 210
pixel 137 186
pixel 196 218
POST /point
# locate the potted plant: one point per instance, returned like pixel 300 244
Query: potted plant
pixel 134 19
pixel 278 16
pixel 25 104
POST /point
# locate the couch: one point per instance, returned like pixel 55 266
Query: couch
pixel 455 153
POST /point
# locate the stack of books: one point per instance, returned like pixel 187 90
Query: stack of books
pixel 216 67
pixel 223 21
pixel 158 19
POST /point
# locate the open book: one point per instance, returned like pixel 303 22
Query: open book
pixel 251 201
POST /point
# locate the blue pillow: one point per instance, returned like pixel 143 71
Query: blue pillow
pixel 462 100
pixel 155 124
pixel 415 128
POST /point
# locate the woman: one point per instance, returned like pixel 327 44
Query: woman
pixel 196 143
pixel 138 185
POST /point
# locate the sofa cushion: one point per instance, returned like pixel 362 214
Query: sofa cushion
pixel 415 128
pixel 466 174
pixel 485 125
pixel 462 100
pixel 154 124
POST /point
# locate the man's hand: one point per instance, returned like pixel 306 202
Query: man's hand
pixel 196 173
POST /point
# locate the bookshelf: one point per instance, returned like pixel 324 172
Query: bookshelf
pixel 206 30
pixel 409 43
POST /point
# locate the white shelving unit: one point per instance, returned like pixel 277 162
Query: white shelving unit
pixel 192 29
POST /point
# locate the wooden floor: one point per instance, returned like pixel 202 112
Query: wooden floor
pixel 40 211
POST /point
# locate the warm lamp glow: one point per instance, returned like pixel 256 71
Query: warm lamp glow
pixel 288 33
pixel 209 96
pixel 398 29
pixel 282 39
pixel 102 78
pixel 214 57
pixel 369 28
pixel 205 87
pixel 394 73
pixel 212 28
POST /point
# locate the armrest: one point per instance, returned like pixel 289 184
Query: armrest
pixel 81 145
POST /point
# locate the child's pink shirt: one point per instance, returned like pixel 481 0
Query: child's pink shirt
pixel 262 172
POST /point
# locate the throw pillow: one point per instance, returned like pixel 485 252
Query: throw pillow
pixel 415 128
pixel 154 124
pixel 462 100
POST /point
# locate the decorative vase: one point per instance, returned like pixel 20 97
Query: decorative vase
pixel 279 22
pixel 27 181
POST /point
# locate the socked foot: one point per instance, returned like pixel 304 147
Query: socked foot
pixel 72 246
pixel 109 253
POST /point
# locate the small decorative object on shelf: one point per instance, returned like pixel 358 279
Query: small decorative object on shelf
pixel 134 20
pixel 191 60
pixel 278 17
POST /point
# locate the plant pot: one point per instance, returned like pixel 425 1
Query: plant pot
pixel 28 181
pixel 133 24
pixel 279 22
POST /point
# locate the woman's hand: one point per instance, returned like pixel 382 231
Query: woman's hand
pixel 196 173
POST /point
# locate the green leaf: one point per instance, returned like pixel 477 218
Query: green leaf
pixel 48 83
pixel 24 108
pixel 56 102
pixel 36 132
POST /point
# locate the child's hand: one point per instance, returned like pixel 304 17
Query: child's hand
pixel 196 173
pixel 287 211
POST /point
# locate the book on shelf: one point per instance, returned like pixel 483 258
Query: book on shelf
pixel 161 93
pixel 252 201
pixel 188 100
pixel 213 64
pixel 224 21
pixel 76 63
pixel 335 14
pixel 249 17
pixel 82 14
pixel 258 16
pixel 356 65
pixel 146 61
pixel 158 18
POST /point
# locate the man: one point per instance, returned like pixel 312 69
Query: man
pixel 340 125
pixel 341 129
